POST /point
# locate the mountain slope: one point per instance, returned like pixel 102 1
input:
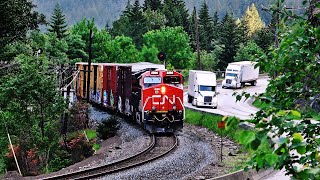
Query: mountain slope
pixel 106 11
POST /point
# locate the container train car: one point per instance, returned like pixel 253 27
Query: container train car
pixel 147 92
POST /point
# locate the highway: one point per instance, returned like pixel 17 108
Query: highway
pixel 227 106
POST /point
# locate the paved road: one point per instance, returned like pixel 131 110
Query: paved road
pixel 227 106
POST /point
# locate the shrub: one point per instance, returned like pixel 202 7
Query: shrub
pixel 78 146
pixel 108 128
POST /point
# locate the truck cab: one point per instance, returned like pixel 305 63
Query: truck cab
pixel 202 89
pixel 239 73
pixel 232 77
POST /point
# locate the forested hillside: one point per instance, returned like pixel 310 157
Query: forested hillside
pixel 105 12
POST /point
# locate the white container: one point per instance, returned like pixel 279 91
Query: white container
pixel 240 73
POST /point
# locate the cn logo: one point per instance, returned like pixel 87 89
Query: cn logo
pixel 156 99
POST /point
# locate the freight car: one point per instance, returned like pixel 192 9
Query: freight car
pixel 151 95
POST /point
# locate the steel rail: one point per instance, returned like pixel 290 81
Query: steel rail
pixel 152 152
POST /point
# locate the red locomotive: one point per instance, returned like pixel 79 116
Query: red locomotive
pixel 150 94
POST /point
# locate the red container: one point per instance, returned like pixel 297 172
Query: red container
pixel 109 96
pixel 124 88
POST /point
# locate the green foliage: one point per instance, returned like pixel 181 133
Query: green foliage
pixel 250 52
pixel 209 61
pixel 108 128
pixel 176 13
pixel 260 104
pixel 78 146
pixel 229 39
pixel 31 105
pixel 152 5
pixel 91 134
pixel 206 28
pixel 60 159
pixel 96 147
pixel 293 92
pixel 174 42
pixel 58 23
pixel 17 18
pixel 264 38
pixel 154 19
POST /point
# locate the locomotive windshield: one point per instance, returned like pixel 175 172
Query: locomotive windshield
pixel 171 80
pixel 151 81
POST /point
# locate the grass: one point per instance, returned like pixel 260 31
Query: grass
pixel 210 121
pixel 232 131
pixel 91 134
pixel 96 147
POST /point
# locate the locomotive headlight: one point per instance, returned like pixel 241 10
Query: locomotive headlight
pixel 154 108
pixel 163 90
pixel 174 107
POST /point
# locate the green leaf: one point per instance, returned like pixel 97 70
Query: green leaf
pixel 296 114
pixel 259 160
pixel 297 138
pixel 282 113
pixel 301 149
pixel 271 159
pixel 255 144
pixel 247 137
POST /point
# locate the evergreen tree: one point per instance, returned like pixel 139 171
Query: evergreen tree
pixel 252 20
pixel 229 39
pixel 205 28
pixel 264 38
pixel 191 31
pixel 120 26
pixel 137 24
pixel 176 13
pixel 58 23
pixel 17 18
pixel 152 4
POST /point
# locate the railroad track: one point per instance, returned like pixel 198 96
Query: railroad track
pixel 159 146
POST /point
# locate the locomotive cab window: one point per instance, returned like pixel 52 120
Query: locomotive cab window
pixel 171 80
pixel 151 81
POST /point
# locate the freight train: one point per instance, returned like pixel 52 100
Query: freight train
pixel 147 92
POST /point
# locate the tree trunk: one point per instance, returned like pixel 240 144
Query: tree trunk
pixel 313 11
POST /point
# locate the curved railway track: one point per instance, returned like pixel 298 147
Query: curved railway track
pixel 159 146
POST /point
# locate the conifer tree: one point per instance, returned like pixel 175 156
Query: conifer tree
pixel 152 4
pixel 205 27
pixel 191 30
pixel 17 18
pixel 58 22
pixel 252 20
pixel 229 39
pixel 176 13
pixel 137 24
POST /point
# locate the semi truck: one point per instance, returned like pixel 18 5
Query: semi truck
pixel 239 73
pixel 202 89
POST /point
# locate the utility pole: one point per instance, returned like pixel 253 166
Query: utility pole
pixel 197 35
pixel 89 64
pixel 276 38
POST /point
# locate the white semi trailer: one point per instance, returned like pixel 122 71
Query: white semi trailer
pixel 240 73
pixel 202 88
